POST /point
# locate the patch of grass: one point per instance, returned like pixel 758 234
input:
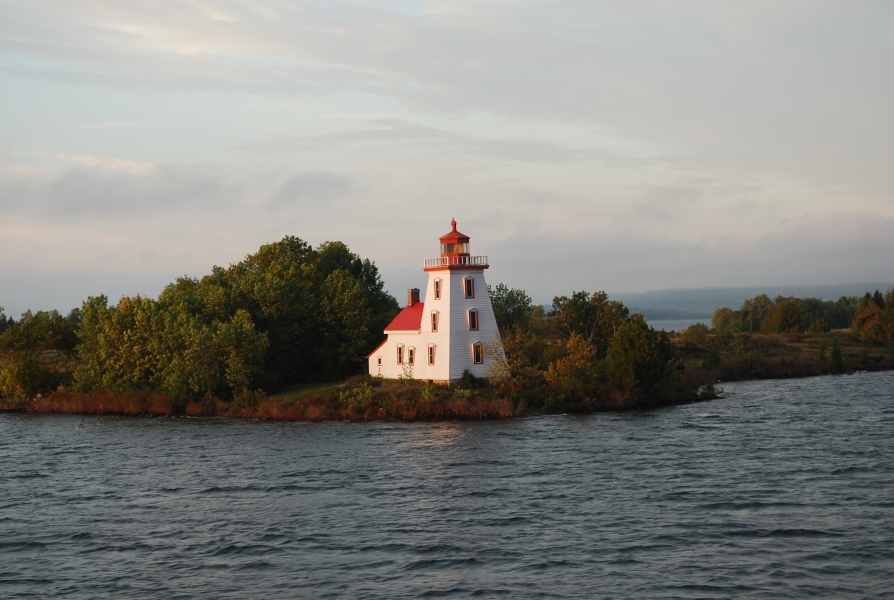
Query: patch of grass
pixel 291 393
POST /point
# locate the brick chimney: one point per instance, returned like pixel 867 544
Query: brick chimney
pixel 412 296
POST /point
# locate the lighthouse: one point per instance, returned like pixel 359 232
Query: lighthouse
pixel 438 337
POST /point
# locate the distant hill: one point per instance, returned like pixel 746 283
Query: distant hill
pixel 697 303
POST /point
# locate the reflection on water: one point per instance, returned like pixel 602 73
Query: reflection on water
pixel 782 489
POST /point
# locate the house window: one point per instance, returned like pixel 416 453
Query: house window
pixel 469 287
pixel 411 356
pixel 437 289
pixel 477 353
pixel 431 355
pixel 434 321
pixel 473 320
pixel 400 355
pixel 379 359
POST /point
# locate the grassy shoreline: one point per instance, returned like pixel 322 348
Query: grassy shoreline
pixel 708 359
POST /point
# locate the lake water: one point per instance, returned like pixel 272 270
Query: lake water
pixel 676 324
pixel 783 489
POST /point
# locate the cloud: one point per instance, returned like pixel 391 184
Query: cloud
pixel 632 144
pixel 118 191
pixel 317 190
pixel 109 163
pixel 400 133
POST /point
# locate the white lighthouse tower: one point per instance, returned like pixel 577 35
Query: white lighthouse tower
pixel 439 338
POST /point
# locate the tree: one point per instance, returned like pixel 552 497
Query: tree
pixel 5 322
pixel 641 362
pixel 287 313
pixel 783 317
pixel 35 354
pixel 595 318
pixel 512 307
pixel 573 376
pixel 726 320
pixel 754 310
pixel 870 322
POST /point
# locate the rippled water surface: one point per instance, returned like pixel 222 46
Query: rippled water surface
pixel 783 489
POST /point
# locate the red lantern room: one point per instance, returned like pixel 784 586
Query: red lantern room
pixel 455 254
pixel 454 243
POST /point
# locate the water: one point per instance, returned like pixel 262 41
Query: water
pixel 677 324
pixel 784 489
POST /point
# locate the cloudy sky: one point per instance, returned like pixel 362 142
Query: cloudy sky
pixel 623 146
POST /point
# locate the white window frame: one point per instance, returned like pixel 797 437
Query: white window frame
pixel 400 354
pixel 437 286
pixel 431 355
pixel 435 318
pixel 477 353
pixel 411 355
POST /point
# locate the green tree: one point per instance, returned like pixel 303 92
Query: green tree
pixel 753 312
pixel 5 322
pixel 726 321
pixel 593 317
pixel 35 354
pixel 573 376
pixel 287 313
pixel 783 317
pixel 512 307
pixel 641 362
pixel 819 325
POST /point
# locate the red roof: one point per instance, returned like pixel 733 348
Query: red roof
pixel 409 319
pixel 454 236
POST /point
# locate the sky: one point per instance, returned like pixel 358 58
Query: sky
pixel 623 146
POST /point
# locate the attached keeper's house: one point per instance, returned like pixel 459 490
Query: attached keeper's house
pixel 446 333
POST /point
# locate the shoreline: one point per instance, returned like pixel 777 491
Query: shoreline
pixel 476 409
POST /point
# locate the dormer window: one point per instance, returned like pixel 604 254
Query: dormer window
pixel 437 289
pixel 469 287
pixel 434 321
pixel 473 320
pixel 477 353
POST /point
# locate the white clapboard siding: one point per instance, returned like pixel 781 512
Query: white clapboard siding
pixel 453 340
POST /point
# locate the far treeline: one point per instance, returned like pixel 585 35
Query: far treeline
pixel 291 315
pixel 870 318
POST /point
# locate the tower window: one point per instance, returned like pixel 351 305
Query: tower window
pixel 411 356
pixel 400 355
pixel 469 287
pixel 477 353
pixel 431 355
pixel 437 289
pixel 434 321
pixel 473 320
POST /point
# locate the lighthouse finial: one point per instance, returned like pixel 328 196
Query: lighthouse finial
pixel 453 224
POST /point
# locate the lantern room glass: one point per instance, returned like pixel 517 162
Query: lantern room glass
pixel 455 248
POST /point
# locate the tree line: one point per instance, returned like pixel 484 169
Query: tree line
pixel 870 318
pixel 288 313
pixel 585 352
pixel 291 313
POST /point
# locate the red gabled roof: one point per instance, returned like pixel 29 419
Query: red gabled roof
pixel 409 319
pixel 377 348
pixel 454 236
